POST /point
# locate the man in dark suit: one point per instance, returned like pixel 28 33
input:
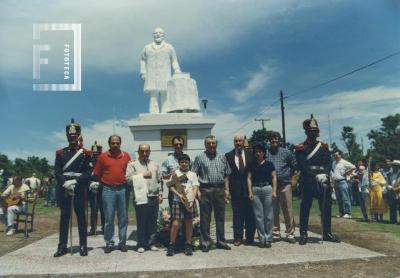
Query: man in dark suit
pixel 239 161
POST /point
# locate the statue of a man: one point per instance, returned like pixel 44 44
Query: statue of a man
pixel 156 62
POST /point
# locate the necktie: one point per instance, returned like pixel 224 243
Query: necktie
pixel 241 163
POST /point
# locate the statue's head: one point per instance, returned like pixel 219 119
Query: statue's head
pixel 158 35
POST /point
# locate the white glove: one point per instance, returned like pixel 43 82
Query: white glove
pixel 94 185
pixel 70 184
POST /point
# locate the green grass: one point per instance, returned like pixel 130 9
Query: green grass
pixel 389 229
pixel 359 227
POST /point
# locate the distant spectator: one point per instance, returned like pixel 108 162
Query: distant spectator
pixel 393 190
pixel 360 179
pixel 377 183
pixel 341 169
pixel 17 194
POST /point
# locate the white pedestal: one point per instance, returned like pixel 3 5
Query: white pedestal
pixel 149 127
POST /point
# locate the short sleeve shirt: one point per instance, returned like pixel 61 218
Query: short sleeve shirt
pixel 189 184
pixel 262 173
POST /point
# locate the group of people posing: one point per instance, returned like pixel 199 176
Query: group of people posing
pixel 258 182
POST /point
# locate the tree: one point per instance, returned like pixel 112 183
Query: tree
pixel 263 136
pixel 334 148
pixel 385 141
pixel 260 136
pixel 25 168
pixel 354 151
pixel 6 165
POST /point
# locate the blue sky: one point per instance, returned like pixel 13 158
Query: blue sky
pixel 241 54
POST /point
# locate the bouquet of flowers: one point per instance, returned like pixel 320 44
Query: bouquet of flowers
pixel 163 226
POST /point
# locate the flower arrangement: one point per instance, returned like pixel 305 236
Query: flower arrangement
pixel 163 226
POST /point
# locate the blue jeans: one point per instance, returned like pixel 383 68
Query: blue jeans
pixel 114 198
pixel 263 212
pixel 364 200
pixel 51 194
pixel 343 198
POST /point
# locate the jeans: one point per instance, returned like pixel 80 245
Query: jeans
pixel 343 198
pixel 364 203
pixel 51 195
pixel 114 198
pixel 263 212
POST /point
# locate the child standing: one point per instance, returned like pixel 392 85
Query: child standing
pixel 183 205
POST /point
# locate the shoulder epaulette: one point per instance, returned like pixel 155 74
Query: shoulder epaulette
pixel 324 145
pixel 299 147
pixel 60 152
pixel 87 152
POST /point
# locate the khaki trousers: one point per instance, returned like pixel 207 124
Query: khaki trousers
pixel 284 200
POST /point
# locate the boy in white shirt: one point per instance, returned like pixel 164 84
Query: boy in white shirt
pixel 180 211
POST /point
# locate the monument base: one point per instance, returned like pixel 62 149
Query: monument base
pixel 157 130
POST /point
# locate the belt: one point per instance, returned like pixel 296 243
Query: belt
pixel 113 185
pixel 340 180
pixel 316 168
pixel 211 184
pixel 261 184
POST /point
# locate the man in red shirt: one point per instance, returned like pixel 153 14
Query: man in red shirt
pixel 110 171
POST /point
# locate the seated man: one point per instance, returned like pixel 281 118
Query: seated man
pixel 14 198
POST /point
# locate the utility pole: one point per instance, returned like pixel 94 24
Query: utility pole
pixel 283 118
pixel 362 144
pixel 262 121
pixel 329 127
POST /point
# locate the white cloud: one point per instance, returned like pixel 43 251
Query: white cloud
pixel 114 32
pixel 100 131
pixel 257 81
pixel 361 109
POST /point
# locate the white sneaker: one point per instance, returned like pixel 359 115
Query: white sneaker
pixel 141 250
pixel 153 248
pixel 10 232
pixel 347 216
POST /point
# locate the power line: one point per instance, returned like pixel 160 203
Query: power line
pixel 317 86
pixel 346 74
pixel 258 115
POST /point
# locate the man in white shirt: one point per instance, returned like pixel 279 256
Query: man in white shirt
pixel 145 171
pixel 340 170
pixel 15 196
pixel 34 182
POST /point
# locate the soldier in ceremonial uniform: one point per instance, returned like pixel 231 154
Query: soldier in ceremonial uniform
pixel 95 195
pixel 314 162
pixel 72 171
